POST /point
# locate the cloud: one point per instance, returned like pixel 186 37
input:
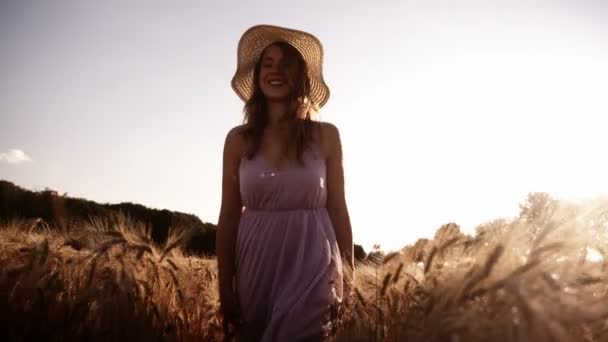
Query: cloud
pixel 14 157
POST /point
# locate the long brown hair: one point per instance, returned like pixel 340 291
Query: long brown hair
pixel 300 108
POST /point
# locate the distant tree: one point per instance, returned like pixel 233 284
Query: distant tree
pixel 537 206
pixel 57 210
pixel 360 254
pixel 202 243
pixel 447 232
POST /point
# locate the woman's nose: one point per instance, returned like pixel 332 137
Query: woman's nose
pixel 278 68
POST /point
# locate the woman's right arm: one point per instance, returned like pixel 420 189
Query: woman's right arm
pixel 228 222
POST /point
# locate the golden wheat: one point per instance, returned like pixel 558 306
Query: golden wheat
pixel 527 280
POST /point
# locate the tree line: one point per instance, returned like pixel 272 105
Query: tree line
pixel 59 210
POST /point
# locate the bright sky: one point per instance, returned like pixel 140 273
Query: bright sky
pixel 449 111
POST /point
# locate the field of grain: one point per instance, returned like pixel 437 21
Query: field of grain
pixel 538 277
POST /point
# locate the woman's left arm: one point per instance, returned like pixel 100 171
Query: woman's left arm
pixel 336 201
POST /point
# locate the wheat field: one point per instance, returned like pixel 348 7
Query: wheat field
pixel 538 277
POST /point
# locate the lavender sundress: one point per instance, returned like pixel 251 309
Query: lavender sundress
pixel 288 266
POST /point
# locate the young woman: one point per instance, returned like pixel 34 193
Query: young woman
pixel 284 233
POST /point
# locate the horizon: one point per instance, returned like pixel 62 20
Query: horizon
pixel 366 248
pixel 447 113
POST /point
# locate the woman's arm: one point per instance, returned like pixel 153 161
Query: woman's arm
pixel 336 202
pixel 230 214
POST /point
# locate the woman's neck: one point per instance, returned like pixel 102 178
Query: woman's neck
pixel 276 112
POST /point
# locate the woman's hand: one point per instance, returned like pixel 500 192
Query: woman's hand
pixel 231 315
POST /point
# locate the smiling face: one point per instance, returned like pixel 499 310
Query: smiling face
pixel 278 73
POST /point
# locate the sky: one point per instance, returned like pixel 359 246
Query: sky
pixel 449 111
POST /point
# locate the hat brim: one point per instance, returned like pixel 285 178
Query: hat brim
pixel 258 37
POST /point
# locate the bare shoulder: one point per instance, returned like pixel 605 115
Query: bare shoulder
pixel 236 131
pixel 329 137
pixel 235 141
pixel 328 128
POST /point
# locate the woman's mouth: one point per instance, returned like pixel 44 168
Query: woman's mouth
pixel 276 82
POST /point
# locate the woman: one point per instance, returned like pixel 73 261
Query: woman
pixel 284 232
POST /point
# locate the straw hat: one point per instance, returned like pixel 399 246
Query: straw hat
pixel 258 37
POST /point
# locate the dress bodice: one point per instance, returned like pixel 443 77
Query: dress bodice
pixel 294 186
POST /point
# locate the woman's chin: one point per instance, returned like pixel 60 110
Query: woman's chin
pixel 277 97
